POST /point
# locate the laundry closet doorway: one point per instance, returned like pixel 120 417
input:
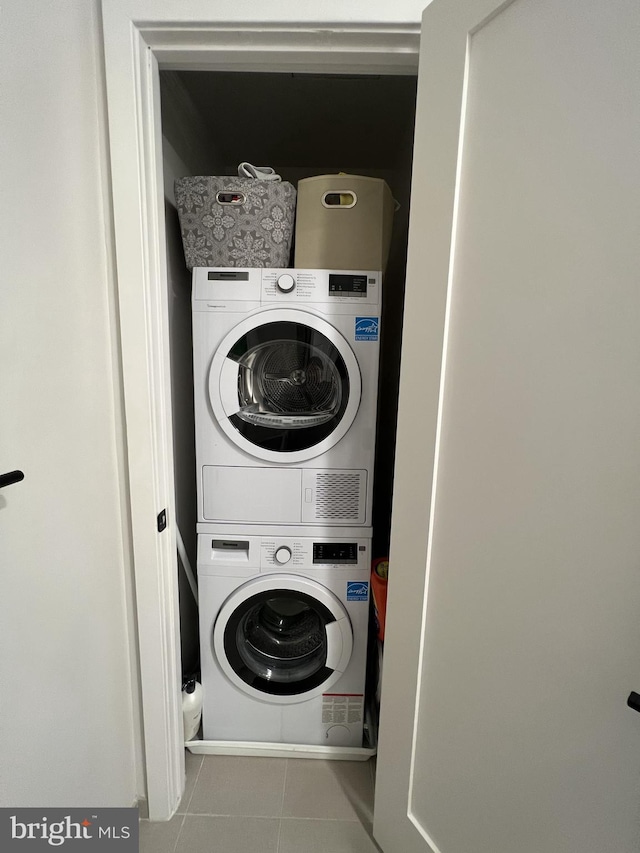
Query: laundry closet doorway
pixel 135 54
pixel 513 636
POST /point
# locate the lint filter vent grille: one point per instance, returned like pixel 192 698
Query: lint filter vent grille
pixel 338 495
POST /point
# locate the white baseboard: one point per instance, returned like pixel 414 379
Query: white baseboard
pixel 142 804
pixel 279 750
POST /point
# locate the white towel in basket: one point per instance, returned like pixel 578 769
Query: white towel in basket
pixel 260 173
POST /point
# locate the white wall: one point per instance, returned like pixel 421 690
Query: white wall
pixel 68 736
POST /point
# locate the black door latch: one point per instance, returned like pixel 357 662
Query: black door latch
pixel 10 477
pixel 634 701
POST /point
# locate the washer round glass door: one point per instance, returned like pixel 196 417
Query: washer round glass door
pixel 283 638
pixel 284 385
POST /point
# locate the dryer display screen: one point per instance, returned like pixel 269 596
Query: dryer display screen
pixel 347 285
pixel 335 552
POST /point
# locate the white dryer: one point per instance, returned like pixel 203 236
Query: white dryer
pixel 283 634
pixel 285 387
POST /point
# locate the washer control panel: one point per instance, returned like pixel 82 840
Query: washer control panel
pixel 282 555
pixel 295 554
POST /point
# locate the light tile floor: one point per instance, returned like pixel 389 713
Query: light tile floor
pixel 268 805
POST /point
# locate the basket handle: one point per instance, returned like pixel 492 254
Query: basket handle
pixel 339 199
pixel 231 197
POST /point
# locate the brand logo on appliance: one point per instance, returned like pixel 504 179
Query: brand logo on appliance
pixel 367 328
pixel 357 590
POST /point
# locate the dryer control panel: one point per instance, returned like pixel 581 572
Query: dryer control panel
pixel 341 291
pixel 347 288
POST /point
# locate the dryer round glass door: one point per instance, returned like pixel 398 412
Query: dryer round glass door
pixel 283 638
pixel 284 385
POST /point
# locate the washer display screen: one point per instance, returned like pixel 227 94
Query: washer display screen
pixel 347 285
pixel 332 552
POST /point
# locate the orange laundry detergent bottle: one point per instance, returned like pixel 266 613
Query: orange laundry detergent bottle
pixel 379 576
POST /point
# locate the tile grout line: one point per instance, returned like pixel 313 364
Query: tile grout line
pixel 324 819
pixel 186 808
pixel 175 846
pixel 195 784
pixel 284 788
pixel 238 816
pixel 272 817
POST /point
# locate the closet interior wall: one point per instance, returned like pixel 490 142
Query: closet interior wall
pixel 302 125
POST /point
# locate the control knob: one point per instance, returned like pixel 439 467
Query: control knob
pixel 286 282
pixel 282 555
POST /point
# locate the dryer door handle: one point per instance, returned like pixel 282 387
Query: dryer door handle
pixel 334 645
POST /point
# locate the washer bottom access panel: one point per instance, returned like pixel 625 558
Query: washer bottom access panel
pixel 283 633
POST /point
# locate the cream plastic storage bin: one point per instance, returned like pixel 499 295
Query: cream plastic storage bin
pixel 343 223
pixel 235 222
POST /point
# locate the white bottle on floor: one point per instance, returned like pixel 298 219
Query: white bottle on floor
pixel 191 707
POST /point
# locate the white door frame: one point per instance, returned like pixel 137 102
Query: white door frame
pixel 135 49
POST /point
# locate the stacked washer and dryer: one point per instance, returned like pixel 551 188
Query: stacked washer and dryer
pixel 285 377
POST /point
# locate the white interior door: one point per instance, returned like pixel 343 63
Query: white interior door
pixel 513 634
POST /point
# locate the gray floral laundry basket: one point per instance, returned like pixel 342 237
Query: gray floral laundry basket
pixel 235 222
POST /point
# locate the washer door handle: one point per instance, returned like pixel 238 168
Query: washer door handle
pixel 10 477
pixel 334 644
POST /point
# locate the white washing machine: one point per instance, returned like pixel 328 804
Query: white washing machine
pixel 283 635
pixel 285 387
